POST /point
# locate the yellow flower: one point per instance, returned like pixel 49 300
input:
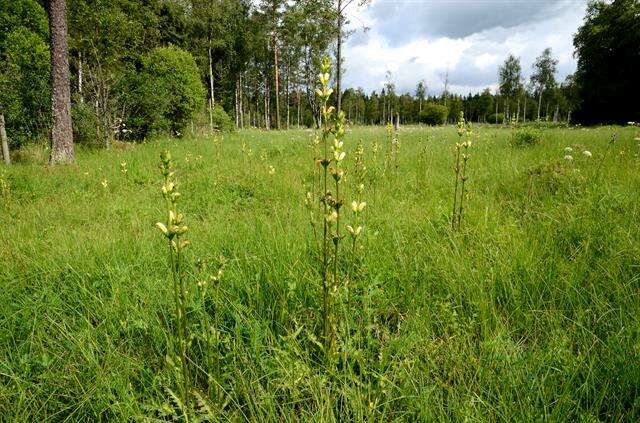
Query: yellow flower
pixel 104 183
pixel 332 216
pixel 162 227
pixel 354 232
pixel 358 207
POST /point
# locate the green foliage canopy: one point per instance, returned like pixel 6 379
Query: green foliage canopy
pixel 165 94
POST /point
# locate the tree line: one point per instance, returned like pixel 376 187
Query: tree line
pixel 98 70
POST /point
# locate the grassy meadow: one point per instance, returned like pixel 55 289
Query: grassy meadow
pixel 529 312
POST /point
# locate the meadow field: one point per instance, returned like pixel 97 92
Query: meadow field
pixel 530 311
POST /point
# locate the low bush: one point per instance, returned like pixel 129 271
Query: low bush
pixel 221 120
pixel 496 118
pixel 165 94
pixel 85 124
pixel 525 136
pixel 433 114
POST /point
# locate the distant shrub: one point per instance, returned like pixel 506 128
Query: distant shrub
pixel 221 120
pixel 433 114
pixel 25 95
pixel 496 118
pixel 85 124
pixel 165 94
pixel 525 136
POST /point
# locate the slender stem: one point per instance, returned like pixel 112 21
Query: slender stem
pixel 336 243
pixel 455 191
pixel 464 174
pixel 325 246
pixel 182 323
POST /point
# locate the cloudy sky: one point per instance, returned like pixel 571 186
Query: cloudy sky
pixel 421 39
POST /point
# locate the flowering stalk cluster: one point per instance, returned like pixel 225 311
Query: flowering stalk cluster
pixel 357 205
pixel 217 145
pixel 395 150
pixel 389 150
pixel 247 157
pixel 423 160
pixel 460 168
pixel 375 169
pixel 331 161
pixel 173 230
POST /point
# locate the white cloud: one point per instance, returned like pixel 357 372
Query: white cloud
pixel 485 60
pixel 472 59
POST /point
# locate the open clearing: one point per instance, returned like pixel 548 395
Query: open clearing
pixel 529 312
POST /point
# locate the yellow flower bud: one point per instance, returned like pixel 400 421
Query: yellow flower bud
pixel 161 226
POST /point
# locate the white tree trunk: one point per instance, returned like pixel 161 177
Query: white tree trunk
pixel 5 141
pixel 80 77
pixel 212 101
pixel 539 103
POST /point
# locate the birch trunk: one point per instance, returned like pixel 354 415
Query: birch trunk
pixel 4 141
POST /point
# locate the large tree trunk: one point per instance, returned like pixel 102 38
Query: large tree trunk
pixel 4 141
pixel 339 60
pixel 61 131
pixel 524 111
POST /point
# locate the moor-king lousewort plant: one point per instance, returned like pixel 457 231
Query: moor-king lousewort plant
pixel 358 205
pixel 173 230
pixel 331 159
pixel 460 168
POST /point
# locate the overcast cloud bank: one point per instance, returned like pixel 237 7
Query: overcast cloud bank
pixel 423 39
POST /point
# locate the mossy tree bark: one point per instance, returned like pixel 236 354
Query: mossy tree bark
pixel 61 131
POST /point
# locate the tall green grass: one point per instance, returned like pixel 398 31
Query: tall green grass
pixel 530 312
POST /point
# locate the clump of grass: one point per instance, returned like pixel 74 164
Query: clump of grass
pixel 208 286
pixel 5 188
pixel 173 230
